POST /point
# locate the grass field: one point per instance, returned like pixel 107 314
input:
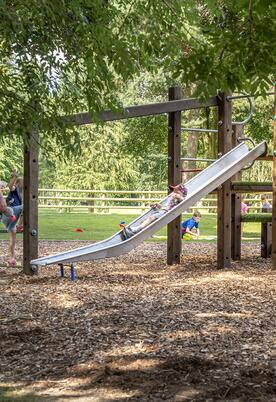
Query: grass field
pixel 62 226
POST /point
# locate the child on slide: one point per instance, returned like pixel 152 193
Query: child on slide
pixel 177 195
pixel 10 217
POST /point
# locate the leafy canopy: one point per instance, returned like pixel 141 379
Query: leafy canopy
pixel 61 57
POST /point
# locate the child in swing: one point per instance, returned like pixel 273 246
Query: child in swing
pixel 10 217
pixel 177 195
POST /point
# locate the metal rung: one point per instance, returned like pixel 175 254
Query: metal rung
pixel 198 159
pixel 199 130
pixel 191 170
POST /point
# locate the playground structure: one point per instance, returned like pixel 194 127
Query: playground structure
pixel 203 183
pixel 229 133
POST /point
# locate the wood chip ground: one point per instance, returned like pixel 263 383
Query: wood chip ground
pixel 134 329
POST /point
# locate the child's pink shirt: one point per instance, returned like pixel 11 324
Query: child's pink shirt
pixel 244 208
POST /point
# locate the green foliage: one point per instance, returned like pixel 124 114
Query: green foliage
pixel 261 171
pixel 99 163
pixel 146 138
pixel 231 47
pixel 260 127
pixel 64 57
pixel 11 157
pixel 69 56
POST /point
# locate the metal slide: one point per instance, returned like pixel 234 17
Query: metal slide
pixel 199 186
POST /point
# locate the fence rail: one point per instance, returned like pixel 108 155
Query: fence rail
pixel 105 201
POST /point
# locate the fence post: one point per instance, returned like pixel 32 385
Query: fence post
pixel 224 192
pixel 30 236
pixel 91 202
pixel 174 177
pixel 236 205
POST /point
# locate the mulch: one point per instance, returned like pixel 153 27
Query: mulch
pixel 132 328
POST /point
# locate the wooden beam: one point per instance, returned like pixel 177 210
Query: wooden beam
pixel 30 237
pixel 236 225
pixel 265 158
pixel 251 188
pixel 274 188
pixel 141 110
pixel 174 176
pixel 260 217
pixel 224 193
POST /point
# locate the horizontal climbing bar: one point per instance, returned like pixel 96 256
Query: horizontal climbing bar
pixel 199 130
pixel 191 170
pixel 198 159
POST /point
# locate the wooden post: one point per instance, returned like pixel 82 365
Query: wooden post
pixel 224 192
pixel 30 238
pixel 274 189
pixel 91 202
pixel 236 204
pixel 174 176
pixel 266 239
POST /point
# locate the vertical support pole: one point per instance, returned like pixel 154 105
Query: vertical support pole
pixel 61 270
pixel 174 176
pixel 224 192
pixel 266 239
pixel 72 269
pixel 30 237
pixel 236 204
pixel 274 188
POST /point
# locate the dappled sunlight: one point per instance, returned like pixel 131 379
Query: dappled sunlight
pixel 144 272
pixel 221 329
pixel 132 349
pixel 132 328
pixel 73 389
pixel 62 301
pixel 134 363
pixel 180 334
pixel 225 314
pixel 217 277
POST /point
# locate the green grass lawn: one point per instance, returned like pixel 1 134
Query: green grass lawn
pixel 62 226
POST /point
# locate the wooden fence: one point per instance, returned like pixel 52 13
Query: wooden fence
pixel 106 201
